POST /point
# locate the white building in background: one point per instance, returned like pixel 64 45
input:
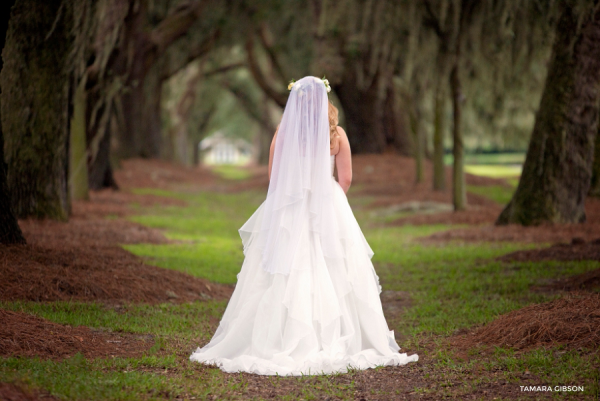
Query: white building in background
pixel 220 149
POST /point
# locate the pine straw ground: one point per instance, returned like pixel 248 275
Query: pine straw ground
pixel 81 260
pixel 14 392
pixel 572 320
pixel 29 336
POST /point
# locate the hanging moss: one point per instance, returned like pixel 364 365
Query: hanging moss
pixel 558 168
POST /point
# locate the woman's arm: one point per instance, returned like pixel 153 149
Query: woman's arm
pixel 271 151
pixel 343 161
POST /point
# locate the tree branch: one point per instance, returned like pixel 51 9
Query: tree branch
pixel 176 25
pixel 278 97
pixel 263 36
pixel 433 20
pixel 222 69
pixel 199 51
pixel 249 106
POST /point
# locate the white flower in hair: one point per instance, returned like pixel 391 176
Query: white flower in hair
pixel 292 84
pixel 326 83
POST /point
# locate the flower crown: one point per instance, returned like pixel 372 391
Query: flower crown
pixel 325 81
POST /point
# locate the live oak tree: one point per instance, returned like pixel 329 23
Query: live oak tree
pixel 354 45
pixel 595 184
pixel 10 232
pixel 450 25
pixel 558 168
pixel 137 45
pixel 34 82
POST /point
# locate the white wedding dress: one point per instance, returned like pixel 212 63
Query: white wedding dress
pixel 325 316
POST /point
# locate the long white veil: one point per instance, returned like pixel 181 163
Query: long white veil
pixel 299 205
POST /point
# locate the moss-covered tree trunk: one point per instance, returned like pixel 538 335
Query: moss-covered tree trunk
pixel 439 128
pixel 78 160
pixel 363 110
pixel 595 185
pixel 35 108
pixel 459 188
pixel 373 121
pixel 414 116
pixel 10 232
pixel 397 134
pixel 558 168
pixel 142 135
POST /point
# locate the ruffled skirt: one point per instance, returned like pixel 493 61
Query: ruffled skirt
pixel 324 317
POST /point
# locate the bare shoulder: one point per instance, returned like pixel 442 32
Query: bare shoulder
pixel 344 142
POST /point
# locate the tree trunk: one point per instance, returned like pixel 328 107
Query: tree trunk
pixel 439 127
pixel 364 116
pixel 264 139
pixel 595 184
pixel 419 153
pixel 459 194
pixel 195 153
pixel 265 135
pixel 35 108
pixel 394 125
pixel 142 135
pixel 413 110
pixel 558 168
pixel 78 161
pixel 100 173
pixel 10 232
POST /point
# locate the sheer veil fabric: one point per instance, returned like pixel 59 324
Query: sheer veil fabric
pixel 300 190
pixel 307 296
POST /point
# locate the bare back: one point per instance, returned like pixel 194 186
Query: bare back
pixel 343 158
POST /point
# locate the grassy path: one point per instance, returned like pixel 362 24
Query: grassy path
pixel 449 287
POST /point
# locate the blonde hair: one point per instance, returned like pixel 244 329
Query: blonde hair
pixel 333 122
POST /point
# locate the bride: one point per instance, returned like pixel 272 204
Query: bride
pixel 307 296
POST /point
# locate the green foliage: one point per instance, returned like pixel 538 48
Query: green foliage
pixel 497 193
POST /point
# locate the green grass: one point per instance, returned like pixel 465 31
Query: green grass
pixel 216 259
pixel 235 173
pixel 556 366
pixel 458 285
pixel 497 193
pixel 184 320
pixel 489 158
pixel 494 171
pixel 211 247
pixel 451 286
pixel 78 378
